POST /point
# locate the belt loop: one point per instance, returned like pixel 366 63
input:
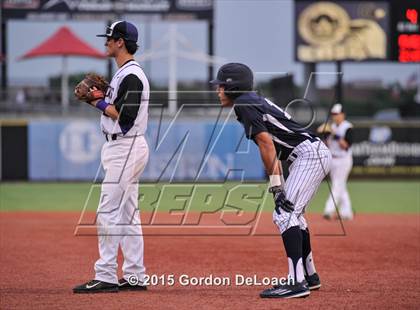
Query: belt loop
pixel 314 139
pixel 110 137
pixel 292 157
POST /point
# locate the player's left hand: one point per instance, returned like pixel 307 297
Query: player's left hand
pixel 280 200
pixel 93 87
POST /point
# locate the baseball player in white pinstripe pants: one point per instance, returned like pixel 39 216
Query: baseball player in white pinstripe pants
pixel 280 138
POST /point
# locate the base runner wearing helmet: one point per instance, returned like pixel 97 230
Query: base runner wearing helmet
pixel 279 137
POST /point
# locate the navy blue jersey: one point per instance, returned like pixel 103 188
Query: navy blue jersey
pixel 258 114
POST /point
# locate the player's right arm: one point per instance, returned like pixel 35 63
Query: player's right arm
pixel 273 168
pixel 255 129
pixel 268 153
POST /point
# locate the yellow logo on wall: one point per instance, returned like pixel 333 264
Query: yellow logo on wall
pixel 332 35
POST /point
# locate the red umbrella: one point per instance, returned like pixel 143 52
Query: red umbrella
pixel 64 43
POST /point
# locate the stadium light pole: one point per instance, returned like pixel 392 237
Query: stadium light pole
pixel 172 38
pixel 311 77
pixel 3 56
pixel 146 46
pixel 339 84
pixel 417 96
pixel 65 85
pixel 210 52
pixel 173 96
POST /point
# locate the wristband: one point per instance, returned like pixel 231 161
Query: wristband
pixel 102 105
pixel 275 180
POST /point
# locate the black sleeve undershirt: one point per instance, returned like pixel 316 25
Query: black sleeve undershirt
pixel 349 136
pixel 128 101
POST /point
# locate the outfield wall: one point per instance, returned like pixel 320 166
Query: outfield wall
pixel 182 151
pixel 186 150
pixel 386 149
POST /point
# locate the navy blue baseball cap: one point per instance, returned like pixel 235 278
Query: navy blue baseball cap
pixel 121 29
pixel 234 76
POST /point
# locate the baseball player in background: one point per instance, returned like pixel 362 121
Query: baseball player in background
pixel 124 156
pixel 278 137
pixel 339 142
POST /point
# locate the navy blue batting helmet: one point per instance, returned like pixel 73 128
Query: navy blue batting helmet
pixel 235 77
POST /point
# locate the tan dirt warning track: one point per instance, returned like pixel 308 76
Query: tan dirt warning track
pixel 375 266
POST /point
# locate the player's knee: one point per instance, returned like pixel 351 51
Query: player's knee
pixel 302 223
pixel 285 220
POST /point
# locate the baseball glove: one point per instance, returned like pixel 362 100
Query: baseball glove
pixel 92 87
pixel 324 128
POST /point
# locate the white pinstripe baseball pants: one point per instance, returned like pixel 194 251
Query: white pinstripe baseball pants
pixel 306 172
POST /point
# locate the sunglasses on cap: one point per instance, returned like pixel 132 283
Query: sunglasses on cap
pixel 113 33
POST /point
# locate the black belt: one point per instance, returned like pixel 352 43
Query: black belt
pixel 293 156
pixel 111 137
pixel 115 136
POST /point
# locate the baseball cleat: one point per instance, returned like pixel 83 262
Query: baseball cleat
pixel 328 216
pixel 125 285
pixel 313 282
pixel 96 286
pixel 298 290
pixel 347 217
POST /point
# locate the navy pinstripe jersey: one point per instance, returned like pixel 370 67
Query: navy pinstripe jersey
pixel 258 114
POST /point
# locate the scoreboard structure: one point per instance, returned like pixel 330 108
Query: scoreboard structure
pixel 405 31
pixel 335 31
pixel 105 10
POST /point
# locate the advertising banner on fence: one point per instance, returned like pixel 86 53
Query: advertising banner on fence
pixel 386 150
pixel 179 151
pixel 188 150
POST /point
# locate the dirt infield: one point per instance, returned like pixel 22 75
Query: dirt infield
pixel 376 265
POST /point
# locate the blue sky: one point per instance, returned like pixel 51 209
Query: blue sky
pixel 256 32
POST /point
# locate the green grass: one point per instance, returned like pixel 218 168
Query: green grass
pixel 367 196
